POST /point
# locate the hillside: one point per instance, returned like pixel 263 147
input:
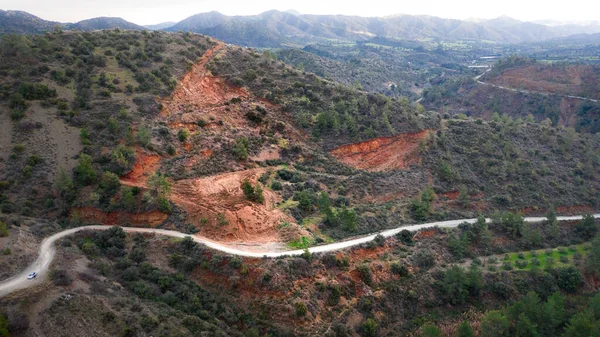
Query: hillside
pixel 18 22
pixel 563 93
pixel 225 115
pixel 104 23
pixel 276 29
pixel 23 22
pixel 389 67
pixel 180 131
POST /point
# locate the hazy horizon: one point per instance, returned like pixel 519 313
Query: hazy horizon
pixel 145 12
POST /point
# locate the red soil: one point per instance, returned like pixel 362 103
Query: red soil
pixel 145 165
pixel 383 154
pixel 575 210
pixel 452 195
pixel 425 234
pixel 220 211
pixel 144 219
pixel 200 95
pixel 564 81
pixel 562 210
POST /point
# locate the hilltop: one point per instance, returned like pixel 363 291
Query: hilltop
pixel 20 22
pixel 275 29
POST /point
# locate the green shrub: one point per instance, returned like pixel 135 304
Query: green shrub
pixel 254 194
pixel 301 309
pixel 365 273
pixel 276 185
pixel 240 148
pixel 369 328
pixel 507 265
pixel 521 264
pixel 84 172
pixel 3 229
pixel 183 135
pixel 399 269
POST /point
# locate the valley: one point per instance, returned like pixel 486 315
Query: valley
pixel 397 177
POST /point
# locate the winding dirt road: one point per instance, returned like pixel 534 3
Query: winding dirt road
pixel 477 79
pixel 48 249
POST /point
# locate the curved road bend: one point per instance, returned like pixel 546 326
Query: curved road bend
pixel 47 249
pixel 477 79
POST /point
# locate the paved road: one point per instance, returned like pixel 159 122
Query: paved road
pixel 48 249
pixel 476 78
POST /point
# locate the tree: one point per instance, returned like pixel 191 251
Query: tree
pixel 3 229
pixel 592 263
pixel 568 279
pixel 464 329
pixel 240 149
pixel 430 330
pixel 323 203
pixel 348 219
pixel 254 194
pixel 109 183
pixel 532 237
pixel 304 201
pixel 3 327
pixel 369 328
pixel 301 309
pixel 552 314
pixel 160 184
pixel 183 135
pixel 587 227
pixel 454 286
pixel 525 328
pixel 84 172
pixel 512 223
pixel 127 198
pixel 65 186
pixel 144 136
pixel 553 223
pixel 422 207
pixel 580 325
pixel 406 237
pixel 463 196
pixel 495 324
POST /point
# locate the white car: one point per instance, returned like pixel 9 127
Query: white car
pixel 32 276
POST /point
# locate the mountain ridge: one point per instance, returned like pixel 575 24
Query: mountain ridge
pixel 274 29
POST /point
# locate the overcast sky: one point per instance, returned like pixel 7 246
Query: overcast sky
pixel 156 11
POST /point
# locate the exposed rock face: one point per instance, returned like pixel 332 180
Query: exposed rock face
pixel 120 218
pixel 220 211
pixel 383 154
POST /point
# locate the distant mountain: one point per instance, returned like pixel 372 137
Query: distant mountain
pixel 277 29
pixel 160 26
pixel 274 29
pixel 294 12
pixel 22 22
pixel 105 23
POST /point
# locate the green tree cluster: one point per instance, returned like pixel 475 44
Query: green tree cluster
pixel 469 234
pixel 457 285
pixel 240 148
pixel 253 193
pixel 421 208
pixel 531 316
